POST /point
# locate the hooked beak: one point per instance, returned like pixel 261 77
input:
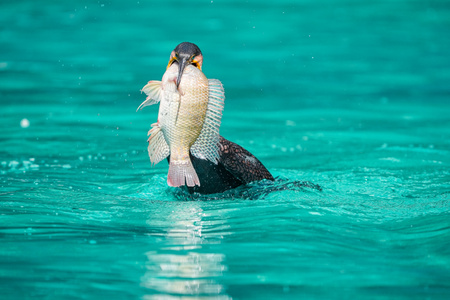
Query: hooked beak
pixel 182 63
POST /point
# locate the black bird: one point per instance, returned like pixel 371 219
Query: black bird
pixel 236 167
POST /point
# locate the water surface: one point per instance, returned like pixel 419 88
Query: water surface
pixel 349 95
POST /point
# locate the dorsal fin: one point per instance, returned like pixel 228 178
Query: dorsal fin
pixel 206 145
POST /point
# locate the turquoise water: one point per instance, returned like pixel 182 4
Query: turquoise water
pixel 350 95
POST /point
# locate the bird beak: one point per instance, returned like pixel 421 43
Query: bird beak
pixel 182 63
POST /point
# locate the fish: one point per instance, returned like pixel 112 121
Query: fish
pixel 189 120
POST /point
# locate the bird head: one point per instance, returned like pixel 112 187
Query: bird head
pixel 185 54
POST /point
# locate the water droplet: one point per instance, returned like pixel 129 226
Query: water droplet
pixel 24 123
pixel 290 123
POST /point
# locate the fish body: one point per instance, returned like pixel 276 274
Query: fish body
pixel 188 122
pixel 181 120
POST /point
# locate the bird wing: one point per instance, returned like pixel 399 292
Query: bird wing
pixel 241 163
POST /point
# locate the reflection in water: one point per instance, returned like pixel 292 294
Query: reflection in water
pixel 182 269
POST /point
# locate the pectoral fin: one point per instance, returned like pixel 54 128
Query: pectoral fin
pixel 206 145
pixel 153 91
pixel 157 145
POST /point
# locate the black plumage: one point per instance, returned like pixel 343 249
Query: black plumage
pixel 236 167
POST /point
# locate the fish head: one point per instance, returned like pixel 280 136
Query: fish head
pixel 185 54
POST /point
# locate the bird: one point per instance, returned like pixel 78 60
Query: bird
pixel 233 165
pixel 236 167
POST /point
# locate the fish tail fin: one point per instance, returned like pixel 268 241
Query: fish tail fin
pixel 182 173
